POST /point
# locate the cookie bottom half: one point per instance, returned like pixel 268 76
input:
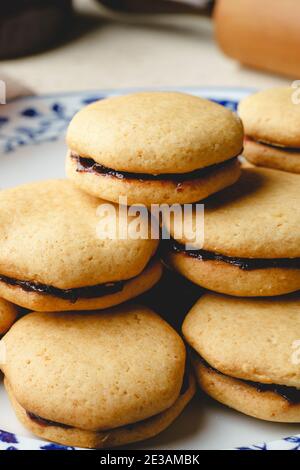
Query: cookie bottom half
pixel 105 439
pixel 226 278
pixel 268 156
pixel 241 396
pixel 149 192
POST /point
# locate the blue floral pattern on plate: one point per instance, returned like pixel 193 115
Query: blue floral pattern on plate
pixel 9 441
pixel 40 119
pixel 33 125
pixel 287 443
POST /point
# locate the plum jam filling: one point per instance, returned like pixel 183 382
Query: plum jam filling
pixel 290 394
pixel 71 295
pixel 88 165
pixel 46 422
pixel 246 264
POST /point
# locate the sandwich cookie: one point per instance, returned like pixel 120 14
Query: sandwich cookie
pixel 98 379
pixel 247 355
pixel 272 121
pixel 8 315
pixel 52 256
pixel 251 238
pixel 157 147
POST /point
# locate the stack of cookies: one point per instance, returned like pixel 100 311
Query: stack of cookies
pixel 272 120
pixel 245 339
pixel 85 367
pixel 81 370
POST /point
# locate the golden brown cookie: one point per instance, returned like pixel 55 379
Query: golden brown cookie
pixel 52 256
pixel 271 119
pixel 247 353
pixel 154 147
pixel 251 238
pixel 115 376
pixel 127 434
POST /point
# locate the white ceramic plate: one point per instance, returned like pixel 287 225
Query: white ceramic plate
pixel 32 147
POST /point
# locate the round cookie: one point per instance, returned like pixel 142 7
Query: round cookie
pixel 154 147
pixel 271 120
pixel 115 376
pixel 141 431
pixel 52 256
pixel 246 353
pixel 251 238
pixel 8 315
pixel 183 133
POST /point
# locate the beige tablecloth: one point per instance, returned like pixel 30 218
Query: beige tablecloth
pixel 109 51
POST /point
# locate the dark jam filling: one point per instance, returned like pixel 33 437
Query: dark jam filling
pixel 88 165
pixel 71 295
pixel 290 394
pixel 46 422
pixel 274 146
pixel 247 264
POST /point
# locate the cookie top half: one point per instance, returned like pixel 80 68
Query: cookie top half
pixel 49 234
pixel 273 116
pixel 95 371
pixel 250 339
pixel 258 217
pixel 155 133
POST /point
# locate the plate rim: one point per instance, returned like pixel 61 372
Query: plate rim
pixel 127 90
